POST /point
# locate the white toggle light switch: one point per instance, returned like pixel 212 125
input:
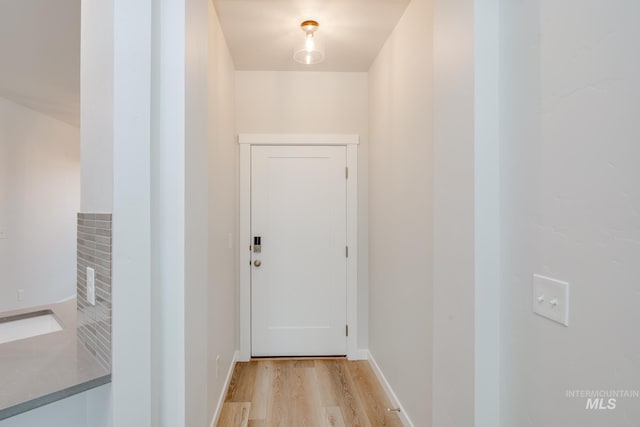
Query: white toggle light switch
pixel 551 298
pixel 91 286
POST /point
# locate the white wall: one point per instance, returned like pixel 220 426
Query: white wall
pixel 196 214
pixel 128 168
pixel 39 200
pixel 179 213
pixel 454 244
pixel 96 109
pixel 401 210
pixel 486 47
pixel 154 145
pixel 314 102
pixel 168 223
pixel 222 300
pixel 158 124
pixel 571 207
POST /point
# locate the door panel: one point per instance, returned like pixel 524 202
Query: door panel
pixel 298 208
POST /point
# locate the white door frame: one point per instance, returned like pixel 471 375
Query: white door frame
pixel 351 143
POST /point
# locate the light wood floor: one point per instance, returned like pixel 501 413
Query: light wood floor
pixel 306 393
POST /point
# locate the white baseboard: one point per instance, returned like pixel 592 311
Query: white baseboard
pixel 362 354
pixel 223 393
pixel 404 417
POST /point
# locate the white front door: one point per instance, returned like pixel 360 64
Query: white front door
pixel 299 277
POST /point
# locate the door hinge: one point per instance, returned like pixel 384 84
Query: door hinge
pixel 346 330
pixel 346 173
pixel 346 251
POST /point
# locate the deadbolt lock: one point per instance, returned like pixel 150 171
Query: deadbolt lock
pixel 257 263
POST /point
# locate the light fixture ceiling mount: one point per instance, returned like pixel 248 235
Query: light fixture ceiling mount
pixel 312 51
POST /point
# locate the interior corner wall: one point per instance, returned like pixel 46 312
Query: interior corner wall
pixel 223 210
pixel 570 207
pixel 401 206
pixel 179 213
pixel 314 102
pixel 39 200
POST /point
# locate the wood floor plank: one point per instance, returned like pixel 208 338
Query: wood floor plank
pixel 242 382
pixel 262 390
pixel 304 363
pixel 372 396
pixel 333 416
pixel 234 414
pixel 305 402
pixel 278 405
pixel 306 393
pixel 328 393
pixel 336 377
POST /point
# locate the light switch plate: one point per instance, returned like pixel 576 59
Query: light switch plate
pixel 91 286
pixel 551 298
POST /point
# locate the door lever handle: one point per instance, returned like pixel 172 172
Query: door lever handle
pixel 257 263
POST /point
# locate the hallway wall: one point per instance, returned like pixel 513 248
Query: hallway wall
pixel 223 211
pixel 401 210
pixel 314 102
pixel 454 281
pixel 571 207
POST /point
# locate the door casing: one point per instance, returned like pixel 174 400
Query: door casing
pixel 351 143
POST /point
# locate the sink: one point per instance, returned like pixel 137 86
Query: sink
pixel 26 325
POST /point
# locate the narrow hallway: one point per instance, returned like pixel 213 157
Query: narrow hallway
pixel 305 392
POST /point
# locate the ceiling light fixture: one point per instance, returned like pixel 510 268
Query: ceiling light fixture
pixel 311 52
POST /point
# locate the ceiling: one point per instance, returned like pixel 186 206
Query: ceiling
pixel 261 34
pixel 40 56
pixel 40 42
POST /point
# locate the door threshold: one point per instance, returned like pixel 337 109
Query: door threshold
pixel 258 358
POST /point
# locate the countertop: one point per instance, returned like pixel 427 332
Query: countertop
pixel 43 369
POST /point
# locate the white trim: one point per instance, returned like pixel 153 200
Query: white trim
pixel 298 139
pixel 352 243
pixel 404 417
pixel 245 254
pixel 227 381
pixel 351 143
